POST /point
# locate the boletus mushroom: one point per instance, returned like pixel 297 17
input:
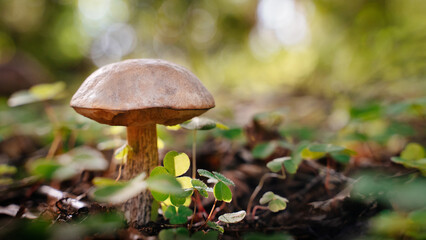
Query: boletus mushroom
pixel 138 94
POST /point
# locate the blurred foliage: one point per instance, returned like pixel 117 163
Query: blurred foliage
pixel 97 225
pixel 233 46
pixel 354 53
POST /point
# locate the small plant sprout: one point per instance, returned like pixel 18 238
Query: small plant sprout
pixel 275 203
pixel 276 165
pixel 221 192
pixel 199 123
pixel 138 94
pixel 413 156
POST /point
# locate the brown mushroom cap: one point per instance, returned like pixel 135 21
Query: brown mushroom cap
pixel 142 91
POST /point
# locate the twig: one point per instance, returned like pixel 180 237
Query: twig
pixel 211 211
pixel 208 218
pixel 220 208
pixel 195 210
pixel 58 195
pixel 194 153
pixel 257 207
pixel 119 172
pixel 55 144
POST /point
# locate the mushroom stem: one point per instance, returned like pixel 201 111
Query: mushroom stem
pixel 142 158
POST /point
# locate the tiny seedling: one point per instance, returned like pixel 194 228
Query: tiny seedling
pixel 413 156
pixel 276 203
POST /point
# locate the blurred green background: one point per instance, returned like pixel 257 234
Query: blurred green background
pixel 252 55
pixel 350 73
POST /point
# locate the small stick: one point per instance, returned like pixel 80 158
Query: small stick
pixel 208 218
pixel 194 158
pixel 119 172
pixel 195 210
pixel 211 211
pixel 220 208
pixel 257 207
pixel 55 144
pixel 58 195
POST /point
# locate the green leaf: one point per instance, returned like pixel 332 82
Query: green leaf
pixel 206 174
pixel 84 158
pixel 290 166
pixel 286 145
pixel 267 197
pixel 233 217
pixel 165 184
pixel 309 155
pixel 170 212
pixel 232 133
pixel 20 98
pixel 222 192
pixel 200 186
pixel 325 148
pixel 340 157
pixel 277 205
pixel 199 123
pixel 223 179
pixel 44 168
pixel 216 176
pixel 264 150
pixel 179 216
pixel 65 172
pixel 174 234
pixel 158 171
pixel 160 197
pixel 101 181
pixel 40 92
pixel 222 126
pixel 418 164
pixel 47 91
pixel 105 191
pixel 122 191
pixel 413 151
pixel 176 200
pixel 184 211
pixel 277 164
pixel 7 170
pixel 366 112
pixel 215 226
pixel 176 163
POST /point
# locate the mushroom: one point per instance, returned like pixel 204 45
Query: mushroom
pixel 138 94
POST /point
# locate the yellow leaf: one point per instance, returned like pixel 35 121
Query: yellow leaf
pixel 160 143
pixel 47 91
pixel 185 182
pixel 307 154
pixel 173 128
